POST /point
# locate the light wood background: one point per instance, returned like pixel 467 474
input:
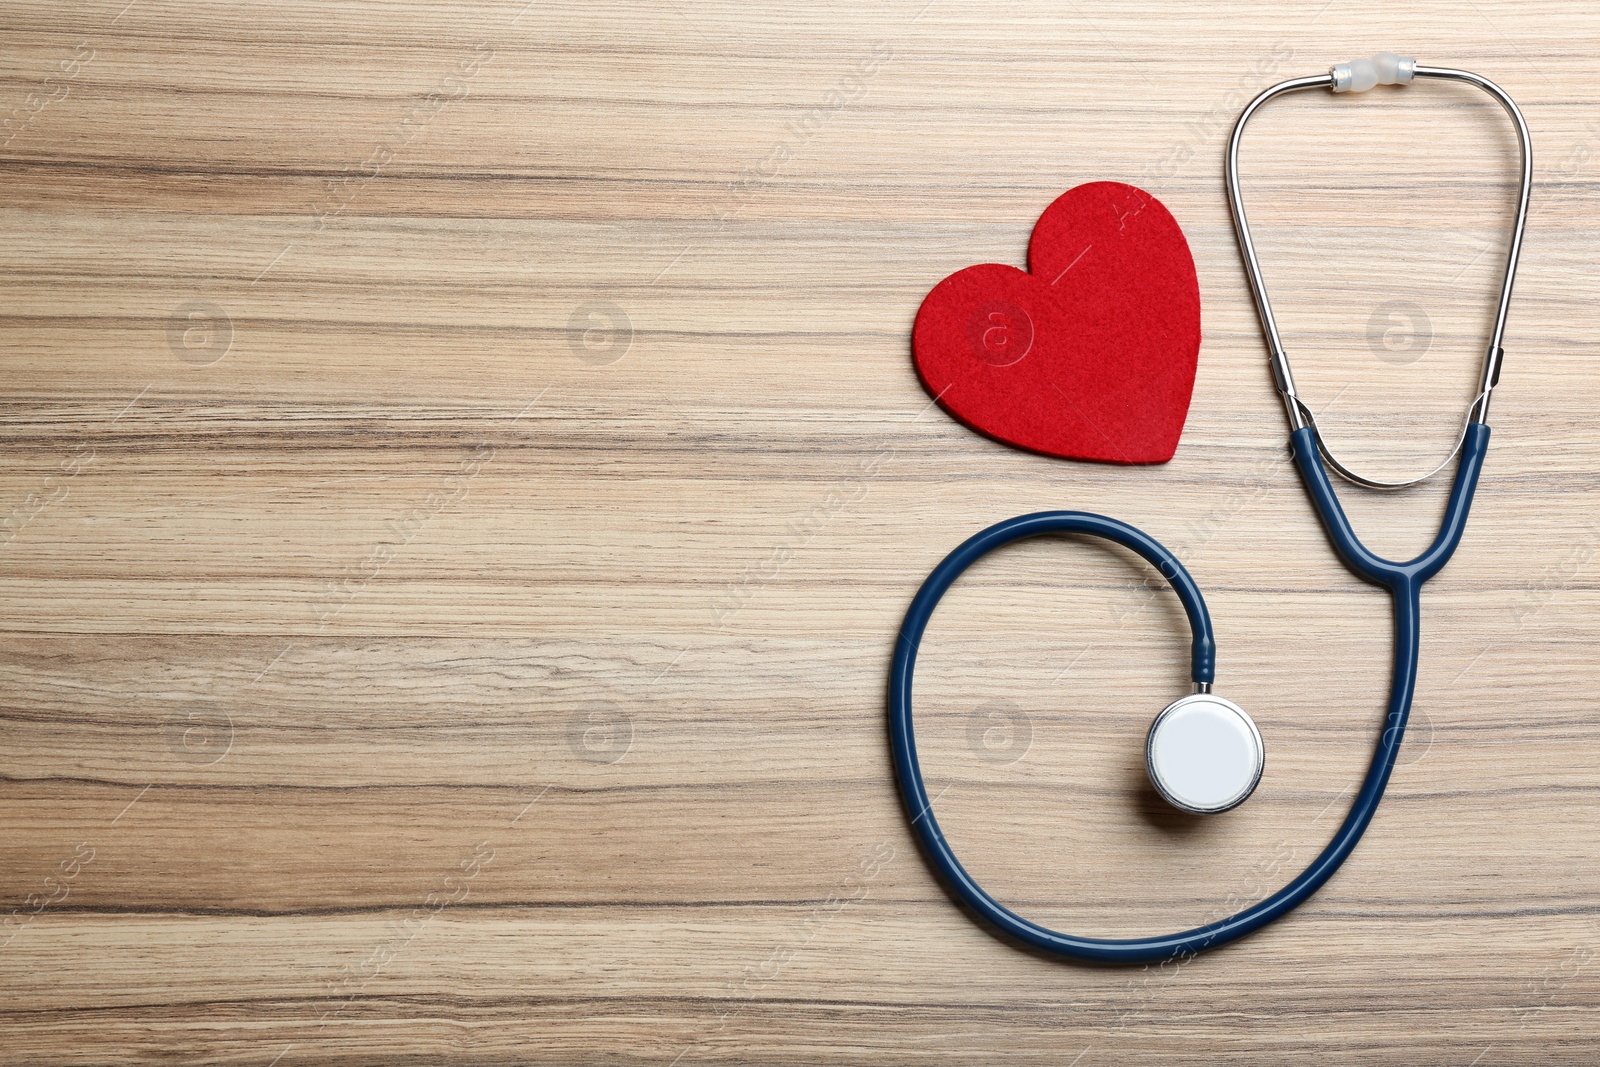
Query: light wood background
pixel 464 471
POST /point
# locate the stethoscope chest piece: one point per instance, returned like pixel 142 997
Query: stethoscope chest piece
pixel 1204 754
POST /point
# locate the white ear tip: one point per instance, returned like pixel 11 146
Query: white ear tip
pixel 1356 76
pixel 1393 69
pixel 1385 68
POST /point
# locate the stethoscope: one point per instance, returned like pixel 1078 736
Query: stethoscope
pixel 1203 753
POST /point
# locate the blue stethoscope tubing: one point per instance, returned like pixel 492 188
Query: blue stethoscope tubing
pixel 1403 580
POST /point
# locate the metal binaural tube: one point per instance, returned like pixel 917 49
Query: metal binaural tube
pixel 1342 79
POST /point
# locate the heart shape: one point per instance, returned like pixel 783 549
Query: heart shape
pixel 1088 355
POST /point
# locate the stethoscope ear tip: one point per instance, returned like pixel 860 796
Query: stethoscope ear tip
pixel 1359 75
pixel 1204 754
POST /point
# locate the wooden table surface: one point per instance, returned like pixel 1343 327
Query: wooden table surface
pixel 464 472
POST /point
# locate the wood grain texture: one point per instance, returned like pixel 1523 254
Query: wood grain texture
pixel 463 473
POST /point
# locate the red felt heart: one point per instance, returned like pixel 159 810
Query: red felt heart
pixel 1091 354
